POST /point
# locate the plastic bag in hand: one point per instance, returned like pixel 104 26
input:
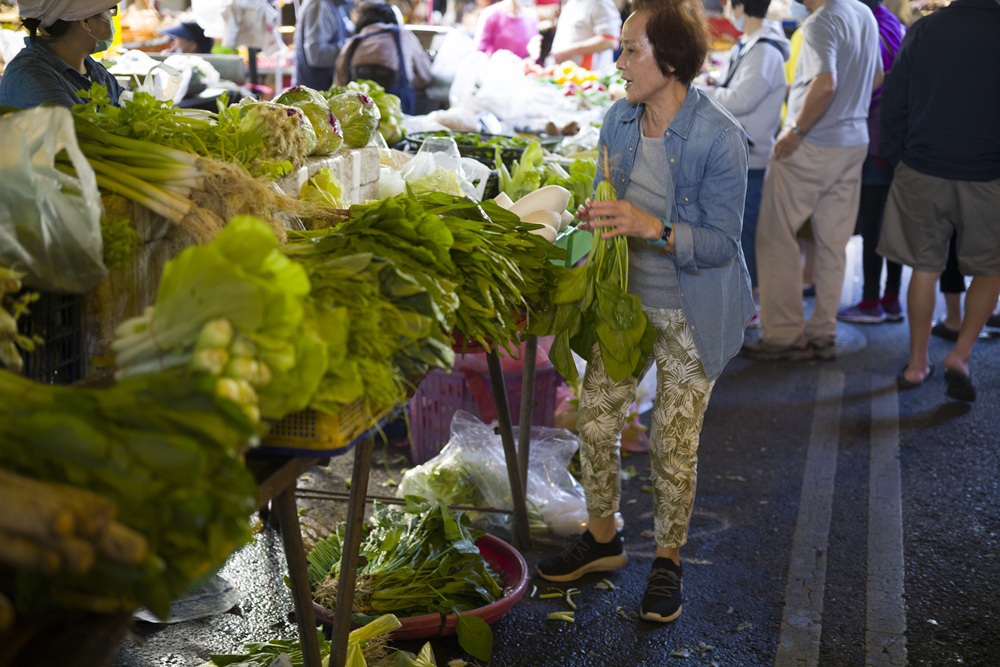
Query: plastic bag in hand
pixel 50 222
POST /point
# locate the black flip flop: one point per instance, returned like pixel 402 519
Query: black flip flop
pixel 903 383
pixel 960 386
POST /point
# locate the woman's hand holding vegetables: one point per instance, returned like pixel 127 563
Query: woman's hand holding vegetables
pixel 620 218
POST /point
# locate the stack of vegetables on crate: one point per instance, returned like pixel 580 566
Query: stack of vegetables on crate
pixel 145 493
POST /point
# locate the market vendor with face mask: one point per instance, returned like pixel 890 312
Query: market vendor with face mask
pixel 55 63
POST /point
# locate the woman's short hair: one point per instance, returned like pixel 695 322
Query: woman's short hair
pixel 676 31
pixel 374 11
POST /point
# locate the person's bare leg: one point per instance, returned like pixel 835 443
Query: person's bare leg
pixel 953 310
pixel 980 299
pixel 673 554
pixel 602 528
pixel 920 299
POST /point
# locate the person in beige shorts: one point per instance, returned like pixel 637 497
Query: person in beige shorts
pixel 939 127
pixel 921 215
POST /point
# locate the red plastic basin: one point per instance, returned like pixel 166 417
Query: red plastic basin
pixel 502 557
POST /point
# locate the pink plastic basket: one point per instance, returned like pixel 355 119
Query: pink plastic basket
pixel 441 394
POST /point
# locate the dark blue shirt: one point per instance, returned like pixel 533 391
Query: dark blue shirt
pixel 37 75
pixel 941 99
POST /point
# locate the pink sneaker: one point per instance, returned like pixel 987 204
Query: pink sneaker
pixel 861 314
pixel 891 308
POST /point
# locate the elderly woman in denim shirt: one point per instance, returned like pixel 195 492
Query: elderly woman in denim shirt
pixel 55 63
pixel 678 162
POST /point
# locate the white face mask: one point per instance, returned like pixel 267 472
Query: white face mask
pixel 797 10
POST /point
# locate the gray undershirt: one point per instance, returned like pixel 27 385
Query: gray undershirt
pixel 652 273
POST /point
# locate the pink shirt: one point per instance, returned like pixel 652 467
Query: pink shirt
pixel 499 30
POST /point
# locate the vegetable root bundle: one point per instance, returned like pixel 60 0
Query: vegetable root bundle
pixel 49 527
pixel 163 449
pixel 12 306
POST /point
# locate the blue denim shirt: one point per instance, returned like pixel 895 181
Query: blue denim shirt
pixel 37 75
pixel 707 153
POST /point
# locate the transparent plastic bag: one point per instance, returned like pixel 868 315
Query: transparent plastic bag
pixel 472 470
pixel 439 166
pixel 50 222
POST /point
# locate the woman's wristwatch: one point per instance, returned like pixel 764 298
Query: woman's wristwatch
pixel 662 240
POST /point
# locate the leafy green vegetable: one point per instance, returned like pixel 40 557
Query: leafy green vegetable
pixel 591 306
pixel 242 278
pixel 329 135
pixel 358 115
pixel 389 106
pixel 324 188
pixel 214 135
pixel 263 654
pixel 417 560
pixel 165 450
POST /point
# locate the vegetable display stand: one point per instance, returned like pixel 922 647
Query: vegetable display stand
pixel 277 469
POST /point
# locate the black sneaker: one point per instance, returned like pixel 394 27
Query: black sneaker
pixel 585 555
pixel 662 601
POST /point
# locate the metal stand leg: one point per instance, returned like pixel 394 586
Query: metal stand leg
pixel 527 406
pixel 349 558
pixel 522 539
pixel 295 554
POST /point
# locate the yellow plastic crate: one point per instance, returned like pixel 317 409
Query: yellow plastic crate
pixel 321 433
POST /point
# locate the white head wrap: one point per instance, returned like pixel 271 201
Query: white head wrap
pixel 49 11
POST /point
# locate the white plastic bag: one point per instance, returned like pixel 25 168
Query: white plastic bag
pixel 50 223
pixel 472 470
pixel 850 291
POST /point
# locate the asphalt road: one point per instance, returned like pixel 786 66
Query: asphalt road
pixel 838 522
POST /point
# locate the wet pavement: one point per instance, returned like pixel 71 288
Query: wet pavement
pixel 838 522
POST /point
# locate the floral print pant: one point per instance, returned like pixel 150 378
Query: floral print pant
pixel 682 393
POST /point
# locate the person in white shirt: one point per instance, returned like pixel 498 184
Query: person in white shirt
pixel 587 33
pixel 752 87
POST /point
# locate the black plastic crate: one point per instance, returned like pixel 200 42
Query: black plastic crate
pixel 484 154
pixel 58 320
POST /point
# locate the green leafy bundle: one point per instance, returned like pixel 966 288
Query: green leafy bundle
pixel 591 306
pixel 386 317
pixel 526 174
pixel 264 654
pixel 417 560
pixel 505 272
pixel 165 450
pixel 240 278
pixel 579 179
pixel 415 241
